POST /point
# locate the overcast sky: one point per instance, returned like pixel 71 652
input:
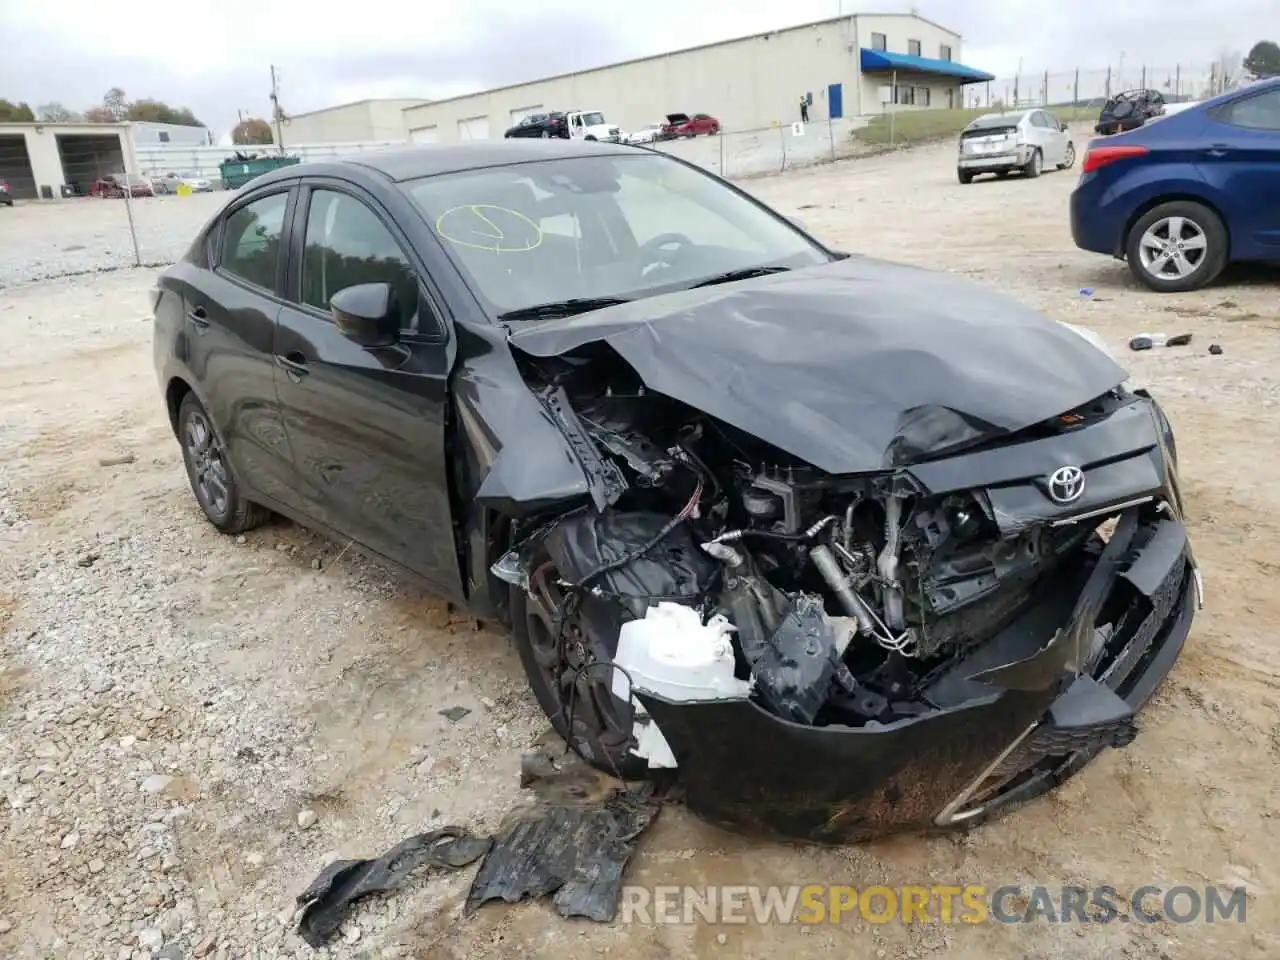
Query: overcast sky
pixel 214 55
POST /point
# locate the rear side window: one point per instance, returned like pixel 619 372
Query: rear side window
pixel 1256 113
pixel 251 240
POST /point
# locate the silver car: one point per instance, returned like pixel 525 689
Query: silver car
pixel 170 182
pixel 1025 141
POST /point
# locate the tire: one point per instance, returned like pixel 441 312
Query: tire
pixel 965 176
pixel 1034 165
pixel 229 512
pixel 1197 221
pixel 546 135
pixel 1070 160
pixel 608 755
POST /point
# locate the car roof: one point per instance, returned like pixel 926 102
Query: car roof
pixel 429 160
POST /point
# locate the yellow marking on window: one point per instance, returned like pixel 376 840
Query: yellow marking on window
pixel 475 222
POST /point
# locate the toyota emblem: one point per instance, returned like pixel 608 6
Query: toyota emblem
pixel 1066 485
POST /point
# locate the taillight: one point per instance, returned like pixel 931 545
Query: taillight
pixel 1098 157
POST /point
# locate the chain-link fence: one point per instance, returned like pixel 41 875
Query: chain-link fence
pixel 89 234
pixel 1088 86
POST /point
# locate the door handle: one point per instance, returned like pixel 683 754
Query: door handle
pixel 294 364
pixel 198 316
pixel 1217 150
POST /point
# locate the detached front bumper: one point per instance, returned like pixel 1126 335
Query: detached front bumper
pixel 1017 716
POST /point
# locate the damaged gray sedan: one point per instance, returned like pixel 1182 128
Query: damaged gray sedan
pixel 853 547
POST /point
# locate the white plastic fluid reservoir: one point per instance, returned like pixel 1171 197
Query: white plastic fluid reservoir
pixel 672 654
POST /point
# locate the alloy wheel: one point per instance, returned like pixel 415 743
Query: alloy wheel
pixel 565 643
pixel 207 464
pixel 1173 248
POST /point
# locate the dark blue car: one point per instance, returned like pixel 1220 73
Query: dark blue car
pixel 1185 195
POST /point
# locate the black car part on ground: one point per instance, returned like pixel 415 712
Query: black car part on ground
pixel 1129 110
pixel 574 842
pixel 930 614
pixel 325 902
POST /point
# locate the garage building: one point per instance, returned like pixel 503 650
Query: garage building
pixel 50 160
pixel 849 66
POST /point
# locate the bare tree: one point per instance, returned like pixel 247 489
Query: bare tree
pixel 57 113
pixel 1227 71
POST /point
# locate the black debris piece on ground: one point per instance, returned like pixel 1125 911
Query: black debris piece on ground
pixel 577 853
pixel 1215 349
pixel 454 714
pixel 342 882
pixel 1145 341
pixel 574 841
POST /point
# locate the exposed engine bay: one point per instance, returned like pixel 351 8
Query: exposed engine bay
pixel 827 600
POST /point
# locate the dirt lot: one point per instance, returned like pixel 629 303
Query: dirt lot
pixel 171 700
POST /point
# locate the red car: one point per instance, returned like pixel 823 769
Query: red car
pixel 113 185
pixel 686 125
pixel 6 198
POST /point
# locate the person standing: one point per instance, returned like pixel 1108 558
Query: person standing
pixel 804 109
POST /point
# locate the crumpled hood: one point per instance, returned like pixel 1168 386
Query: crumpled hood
pixel 853 366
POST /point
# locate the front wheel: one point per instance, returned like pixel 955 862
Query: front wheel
pixel 566 649
pixel 1068 158
pixel 1176 247
pixel 965 176
pixel 208 471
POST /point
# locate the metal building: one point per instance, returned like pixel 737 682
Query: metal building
pixel 845 66
pixel 365 121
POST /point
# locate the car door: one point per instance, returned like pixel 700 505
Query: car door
pixel 1056 136
pixel 366 425
pixel 1042 137
pixel 231 311
pixel 1240 158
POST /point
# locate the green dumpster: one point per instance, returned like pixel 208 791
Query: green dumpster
pixel 237 172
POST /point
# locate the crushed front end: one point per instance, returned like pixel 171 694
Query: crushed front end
pixel 837 657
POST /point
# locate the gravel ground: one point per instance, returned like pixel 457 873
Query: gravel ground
pixel 41 240
pixel 192 725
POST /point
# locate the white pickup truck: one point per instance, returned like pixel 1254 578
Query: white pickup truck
pixel 591 125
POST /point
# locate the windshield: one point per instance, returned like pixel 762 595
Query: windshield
pixel 593 118
pixel 600 227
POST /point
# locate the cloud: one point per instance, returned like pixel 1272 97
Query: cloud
pixel 215 55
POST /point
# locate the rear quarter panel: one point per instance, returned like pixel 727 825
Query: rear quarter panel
pixel 1110 199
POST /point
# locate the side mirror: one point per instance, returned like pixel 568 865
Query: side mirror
pixel 367 314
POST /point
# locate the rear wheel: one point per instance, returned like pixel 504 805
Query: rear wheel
pixel 1034 165
pixel 965 176
pixel 1176 247
pixel 556 654
pixel 215 489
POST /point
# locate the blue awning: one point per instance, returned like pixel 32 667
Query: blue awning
pixel 881 61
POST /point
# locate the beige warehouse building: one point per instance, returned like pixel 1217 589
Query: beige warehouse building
pixel 849 66
pixel 365 121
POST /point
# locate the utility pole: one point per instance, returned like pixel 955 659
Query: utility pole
pixel 1016 78
pixel 276 112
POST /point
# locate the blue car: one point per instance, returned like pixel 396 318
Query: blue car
pixel 1184 195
